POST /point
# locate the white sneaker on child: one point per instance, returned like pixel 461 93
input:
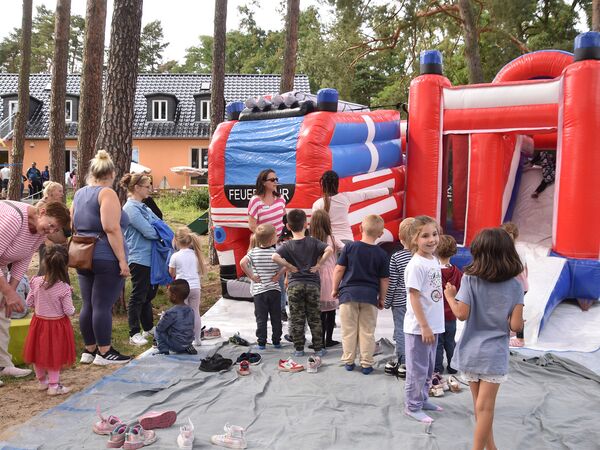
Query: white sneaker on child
pixel 138 340
pixel 186 435
pixel 147 334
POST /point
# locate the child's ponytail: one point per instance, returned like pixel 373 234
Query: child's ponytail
pixel 55 264
pixel 185 238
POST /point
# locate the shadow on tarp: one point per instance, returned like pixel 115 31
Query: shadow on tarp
pixel 547 403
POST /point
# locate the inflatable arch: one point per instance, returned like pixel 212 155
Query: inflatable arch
pixel 546 100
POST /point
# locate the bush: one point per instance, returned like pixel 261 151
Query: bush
pixel 196 198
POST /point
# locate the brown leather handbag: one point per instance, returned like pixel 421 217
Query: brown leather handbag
pixel 81 251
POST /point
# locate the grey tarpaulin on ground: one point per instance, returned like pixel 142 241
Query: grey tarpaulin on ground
pixel 547 403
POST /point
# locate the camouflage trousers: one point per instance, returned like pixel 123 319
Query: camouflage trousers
pixel 304 301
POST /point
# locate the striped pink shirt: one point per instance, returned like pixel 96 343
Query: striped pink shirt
pixel 264 213
pixel 17 243
pixel 50 302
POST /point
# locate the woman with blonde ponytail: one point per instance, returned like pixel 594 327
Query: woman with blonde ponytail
pixel 188 263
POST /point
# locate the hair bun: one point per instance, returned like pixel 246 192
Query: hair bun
pixel 102 155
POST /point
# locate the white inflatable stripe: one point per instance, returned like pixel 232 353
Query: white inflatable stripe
pixel 541 93
pixel 222 217
pixel 371 175
pixel 231 224
pixel 226 258
pixel 499 130
pixel 369 143
pixel 385 184
pixel 229 210
pixel 386 205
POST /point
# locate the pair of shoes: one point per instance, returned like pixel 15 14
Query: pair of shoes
pixel 331 343
pixel 133 437
pixel 106 424
pixel 442 382
pixel 236 339
pixel 13 371
pixel 298 353
pixel 436 389
pixel 289 365
pixel 288 338
pixel 149 333
pixel 211 333
pixel 191 350
pixel 454 384
pixel 215 363
pixel 233 437
pixel 349 367
pixel 157 419
pixel 110 357
pixel 252 358
pixel 244 368
pixel 185 439
pixel 313 364
pixel 138 340
pixel 58 389
pixel 321 352
pixel 284 316
pixel 366 370
pixel 87 357
pixel 395 369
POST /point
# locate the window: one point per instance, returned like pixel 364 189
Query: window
pixel 135 155
pixel 159 110
pixel 13 107
pixel 199 159
pixel 70 160
pixel 204 110
pixel 69 111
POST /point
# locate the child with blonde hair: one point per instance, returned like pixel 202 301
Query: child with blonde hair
pixel 50 343
pixel 360 280
pixel 188 264
pixel 396 297
pixel 424 316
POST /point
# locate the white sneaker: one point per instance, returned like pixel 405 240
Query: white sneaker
pixel 186 435
pixel 59 389
pixel 314 362
pixel 233 437
pixel 138 339
pixel 13 371
pixel 146 334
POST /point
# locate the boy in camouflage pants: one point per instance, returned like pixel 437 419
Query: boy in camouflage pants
pixel 303 256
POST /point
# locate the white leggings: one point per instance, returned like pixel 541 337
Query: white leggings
pixel 193 301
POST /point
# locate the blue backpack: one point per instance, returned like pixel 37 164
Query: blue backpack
pixel 161 254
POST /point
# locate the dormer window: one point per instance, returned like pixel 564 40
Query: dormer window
pixel 71 108
pixel 13 107
pixel 10 105
pixel 159 110
pixel 202 102
pixel 69 111
pixel 204 110
pixel 161 107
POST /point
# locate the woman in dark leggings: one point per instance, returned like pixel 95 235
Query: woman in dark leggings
pixel 97 212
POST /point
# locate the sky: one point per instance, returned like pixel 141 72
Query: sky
pixel 182 20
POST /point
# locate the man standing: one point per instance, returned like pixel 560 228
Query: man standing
pixel 35 179
pixel 45 175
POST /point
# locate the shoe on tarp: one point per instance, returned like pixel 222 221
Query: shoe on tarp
pixel 215 363
pixel 236 339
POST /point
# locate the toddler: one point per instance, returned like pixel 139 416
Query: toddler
pixel 175 329
pixel 259 266
pixel 360 280
pixel 50 344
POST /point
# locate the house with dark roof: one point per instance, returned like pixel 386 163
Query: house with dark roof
pixel 170 126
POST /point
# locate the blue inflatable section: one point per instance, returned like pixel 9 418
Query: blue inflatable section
pixel 350 158
pixel 262 143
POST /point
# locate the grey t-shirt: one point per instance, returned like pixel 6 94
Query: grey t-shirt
pixel 483 346
pixel 302 253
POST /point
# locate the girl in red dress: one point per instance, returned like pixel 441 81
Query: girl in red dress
pixel 50 344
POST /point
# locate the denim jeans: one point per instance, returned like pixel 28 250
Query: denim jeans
pixel 446 341
pixel 398 313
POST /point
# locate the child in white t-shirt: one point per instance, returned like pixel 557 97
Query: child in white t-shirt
pixel 188 264
pixel 424 317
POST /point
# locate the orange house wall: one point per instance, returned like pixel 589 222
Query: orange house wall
pixel 157 154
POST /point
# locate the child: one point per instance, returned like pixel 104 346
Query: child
pixel 360 280
pixel 450 274
pixel 424 316
pixel 303 256
pixel 175 330
pixel 489 295
pixel 50 343
pixel 188 264
pixel 265 274
pixel 396 296
pixel 320 228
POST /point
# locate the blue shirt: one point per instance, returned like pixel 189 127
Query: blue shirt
pixel 365 265
pixel 140 233
pixel 178 324
pixel 483 346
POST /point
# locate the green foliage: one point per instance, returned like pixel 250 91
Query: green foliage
pixel 183 207
pixel 152 47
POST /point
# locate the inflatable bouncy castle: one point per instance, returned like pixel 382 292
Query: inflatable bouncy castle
pixel 299 143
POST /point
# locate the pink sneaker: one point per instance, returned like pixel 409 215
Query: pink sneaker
pixel 136 437
pixel 106 424
pixel 289 365
pixel 117 436
pixel 157 419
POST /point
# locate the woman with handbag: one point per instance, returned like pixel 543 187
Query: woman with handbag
pixel 22 229
pixel 139 236
pixel 97 214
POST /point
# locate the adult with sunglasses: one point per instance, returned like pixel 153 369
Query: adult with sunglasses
pixel 268 206
pixel 139 236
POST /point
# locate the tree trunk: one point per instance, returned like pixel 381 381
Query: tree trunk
pixel 291 46
pixel 18 149
pixel 217 96
pixel 116 128
pixel 90 101
pixel 59 90
pixel 596 15
pixel 471 41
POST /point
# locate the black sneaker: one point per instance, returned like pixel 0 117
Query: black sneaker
pixel 88 357
pixel 111 357
pixel 190 350
pixel 391 368
pixel 238 340
pixel 252 358
pixel 215 363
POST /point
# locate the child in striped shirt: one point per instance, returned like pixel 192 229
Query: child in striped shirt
pixel 396 297
pixel 264 273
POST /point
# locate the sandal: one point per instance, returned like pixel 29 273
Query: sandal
pixel 454 384
pixel 516 342
pixel 436 389
pixel 210 333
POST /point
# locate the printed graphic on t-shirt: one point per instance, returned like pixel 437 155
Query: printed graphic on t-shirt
pixel 434 277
